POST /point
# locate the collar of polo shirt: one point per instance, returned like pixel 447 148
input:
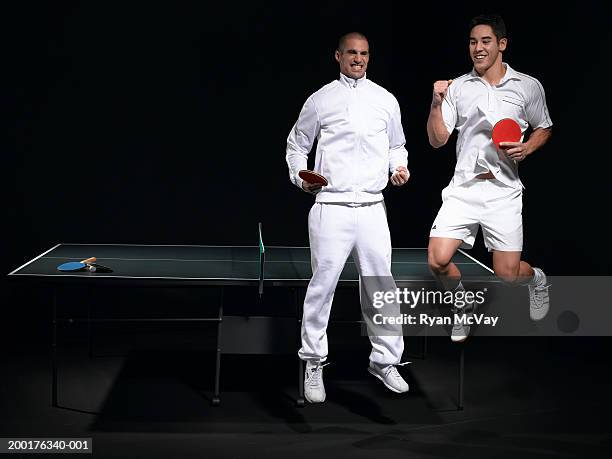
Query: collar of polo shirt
pixel 510 74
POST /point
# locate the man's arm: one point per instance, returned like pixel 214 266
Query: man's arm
pixel 538 118
pixel 436 128
pixel 519 151
pixel 299 143
pixel 398 155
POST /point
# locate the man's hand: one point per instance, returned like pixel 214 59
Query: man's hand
pixel 312 188
pixel 440 89
pixel 400 176
pixel 516 151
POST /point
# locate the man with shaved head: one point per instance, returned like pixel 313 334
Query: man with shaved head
pixel 360 148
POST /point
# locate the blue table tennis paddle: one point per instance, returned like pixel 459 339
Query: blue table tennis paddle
pixel 84 265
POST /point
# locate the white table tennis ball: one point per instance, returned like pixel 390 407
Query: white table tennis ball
pixel 92 269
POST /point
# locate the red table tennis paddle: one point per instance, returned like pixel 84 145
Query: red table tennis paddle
pixel 312 177
pixel 506 130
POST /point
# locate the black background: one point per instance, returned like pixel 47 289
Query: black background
pixel 166 123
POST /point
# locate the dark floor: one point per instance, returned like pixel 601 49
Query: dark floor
pixel 531 397
pixel 145 390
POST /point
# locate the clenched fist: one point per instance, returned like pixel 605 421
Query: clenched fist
pixel 440 88
pixel 400 176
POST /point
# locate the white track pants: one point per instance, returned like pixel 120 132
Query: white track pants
pixel 337 231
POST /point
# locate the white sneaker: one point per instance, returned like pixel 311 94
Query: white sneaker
pixel 539 300
pixel 389 376
pixel 461 331
pixel 314 390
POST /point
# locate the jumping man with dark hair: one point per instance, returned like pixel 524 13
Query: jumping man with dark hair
pixel 485 189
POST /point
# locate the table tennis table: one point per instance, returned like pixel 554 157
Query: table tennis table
pixel 259 267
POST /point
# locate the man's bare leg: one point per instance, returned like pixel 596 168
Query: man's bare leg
pixel 509 267
pixel 439 255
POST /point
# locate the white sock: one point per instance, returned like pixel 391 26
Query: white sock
pixel 538 277
pixel 313 363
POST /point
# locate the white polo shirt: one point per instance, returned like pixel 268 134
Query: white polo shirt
pixel 473 106
pixel 360 140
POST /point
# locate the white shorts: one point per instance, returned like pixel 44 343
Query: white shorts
pixel 497 207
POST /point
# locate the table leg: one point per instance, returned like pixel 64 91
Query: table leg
pixel 300 400
pixel 216 400
pixel 460 380
pixel 54 350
